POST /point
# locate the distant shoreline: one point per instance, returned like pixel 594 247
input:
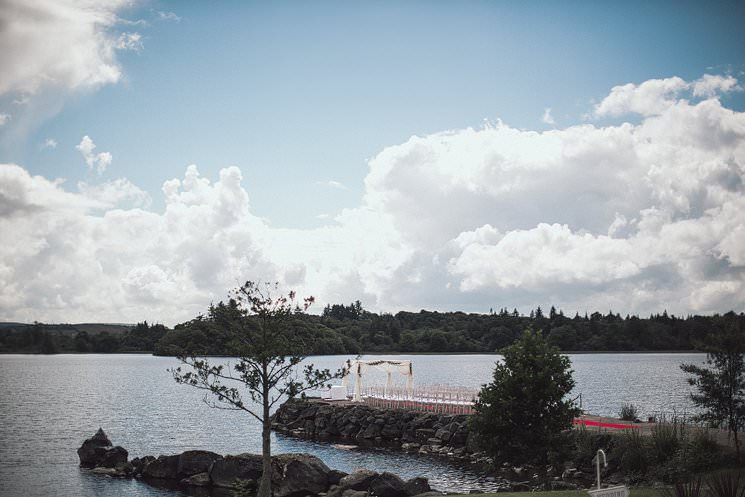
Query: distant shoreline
pixel 567 352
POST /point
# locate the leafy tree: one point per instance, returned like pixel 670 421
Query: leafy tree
pixel 721 383
pixel 259 321
pixel 521 414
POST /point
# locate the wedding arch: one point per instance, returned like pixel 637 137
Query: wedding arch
pixel 358 368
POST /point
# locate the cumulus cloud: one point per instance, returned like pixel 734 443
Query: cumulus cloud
pixel 95 161
pixel 82 53
pixel 631 217
pixel 4 118
pixel 49 143
pixel 710 85
pixel 654 96
pixel 649 98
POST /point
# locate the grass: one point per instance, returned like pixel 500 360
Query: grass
pixel 634 492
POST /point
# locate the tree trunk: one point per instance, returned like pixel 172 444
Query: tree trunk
pixel 265 487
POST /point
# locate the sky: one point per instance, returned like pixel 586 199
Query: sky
pixel 412 155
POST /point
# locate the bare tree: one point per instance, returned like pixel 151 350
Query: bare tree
pixel 258 322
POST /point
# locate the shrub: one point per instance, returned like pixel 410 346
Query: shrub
pixel 667 438
pixel 693 488
pixel 632 452
pixel 726 484
pixel 628 412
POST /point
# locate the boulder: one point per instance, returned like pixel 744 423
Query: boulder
pixel 335 476
pixel 417 486
pixel 358 480
pixel 197 480
pixel 297 475
pixel 112 456
pixel 139 463
pixel 387 485
pixel 230 471
pixel 354 493
pixel 193 462
pixel 94 450
pixel 164 467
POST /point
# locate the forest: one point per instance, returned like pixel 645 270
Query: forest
pixel 350 329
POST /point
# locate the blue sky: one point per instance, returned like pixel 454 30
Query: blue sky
pixel 302 92
pixel 316 104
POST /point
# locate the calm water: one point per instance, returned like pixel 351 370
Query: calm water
pixel 50 404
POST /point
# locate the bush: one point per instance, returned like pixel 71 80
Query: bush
pixel 521 414
pixel 726 484
pixel 632 452
pixel 693 488
pixel 667 439
pixel 628 412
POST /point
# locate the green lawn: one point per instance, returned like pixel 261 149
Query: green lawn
pixel 635 492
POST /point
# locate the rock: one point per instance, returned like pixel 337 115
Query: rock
pixel 113 472
pixel 353 493
pixel 298 475
pixel 230 471
pixel 358 480
pixel 164 467
pixel 197 480
pixel 95 449
pixel 335 476
pixel 424 434
pixel 193 462
pixel 416 486
pixel 139 463
pixel 112 456
pixel 387 485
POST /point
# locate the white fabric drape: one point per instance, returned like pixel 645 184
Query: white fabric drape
pixel 358 367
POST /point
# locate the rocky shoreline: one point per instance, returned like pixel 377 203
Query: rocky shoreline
pixel 293 475
pixel 441 435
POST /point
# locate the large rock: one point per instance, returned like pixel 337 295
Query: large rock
pixel 232 471
pixel 417 486
pixel 297 475
pixel 387 485
pixel 164 467
pixel 95 449
pixel 193 462
pixel 358 480
pixel 112 456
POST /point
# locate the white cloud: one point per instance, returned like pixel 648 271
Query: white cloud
pixel 710 85
pixel 547 117
pixel 4 118
pixel 115 193
pixel 58 44
pixel 631 217
pixel 654 96
pixel 129 41
pixel 168 16
pixel 49 143
pixel 649 98
pixel 99 161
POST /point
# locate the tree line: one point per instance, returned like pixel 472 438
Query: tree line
pixel 350 329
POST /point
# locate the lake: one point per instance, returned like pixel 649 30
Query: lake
pixel 50 404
